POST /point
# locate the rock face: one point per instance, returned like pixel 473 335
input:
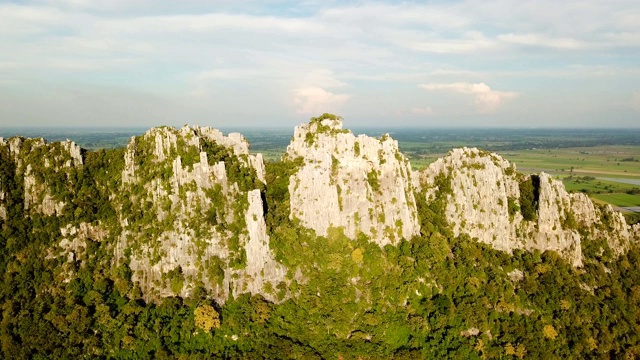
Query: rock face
pixel 74 240
pixel 182 209
pixel 187 223
pixel 42 166
pixel 485 203
pixel 635 233
pixel 359 183
pixel 4 150
pixel 3 208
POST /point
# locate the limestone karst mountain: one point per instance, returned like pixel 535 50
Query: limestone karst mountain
pixel 192 209
pixel 183 209
pixel 362 184
pixel 485 199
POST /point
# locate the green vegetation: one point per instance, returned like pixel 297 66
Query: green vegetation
pixel 592 185
pixel 512 207
pixel 237 172
pixel 619 199
pixel 310 137
pixel 433 296
pixel 325 116
pixel 529 193
pixel 372 179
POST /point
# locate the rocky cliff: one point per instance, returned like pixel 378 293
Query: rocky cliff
pixel 486 200
pixel 181 210
pixel 3 191
pixel 361 184
pixel 192 215
pixel 186 209
pixel 47 188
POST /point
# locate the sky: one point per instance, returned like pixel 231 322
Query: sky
pixel 243 63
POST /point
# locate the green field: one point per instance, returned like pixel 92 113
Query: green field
pixel 610 161
pixel 624 200
pixel 591 185
pixel 272 155
pixel 600 161
pixel 582 169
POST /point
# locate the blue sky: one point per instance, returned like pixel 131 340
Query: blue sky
pixel 276 63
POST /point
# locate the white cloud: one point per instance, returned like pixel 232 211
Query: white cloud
pixel 212 22
pixel 316 100
pixel 322 78
pixel 540 40
pixel 397 15
pixel 99 5
pixel 312 94
pixel 486 100
pixel 6 65
pixel 317 55
pixel 27 20
pixel 426 111
pixel 624 39
pixel 468 42
pixel 227 73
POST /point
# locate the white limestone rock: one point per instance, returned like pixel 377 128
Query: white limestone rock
pixel 74 151
pixel 129 170
pixel 635 233
pixel 187 203
pixel 359 183
pixel 73 244
pixel 60 157
pixel 478 205
pixel 165 140
pixel 484 184
pixel 3 208
pixel 15 145
pixel 261 267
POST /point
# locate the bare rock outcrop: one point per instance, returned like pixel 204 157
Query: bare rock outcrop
pixel 3 193
pixel 261 267
pixel 485 203
pixel 635 233
pixel 359 183
pixel 43 166
pixel 73 244
pixel 3 208
pixel 187 211
pixel 188 223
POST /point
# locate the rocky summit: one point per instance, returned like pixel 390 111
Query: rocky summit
pixel 184 209
pixel 485 197
pixel 361 184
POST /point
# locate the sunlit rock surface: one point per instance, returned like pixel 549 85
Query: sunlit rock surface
pixel 361 184
pixel 484 186
pixel 202 229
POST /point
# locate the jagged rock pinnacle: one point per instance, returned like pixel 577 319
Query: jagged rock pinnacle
pixel 361 184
